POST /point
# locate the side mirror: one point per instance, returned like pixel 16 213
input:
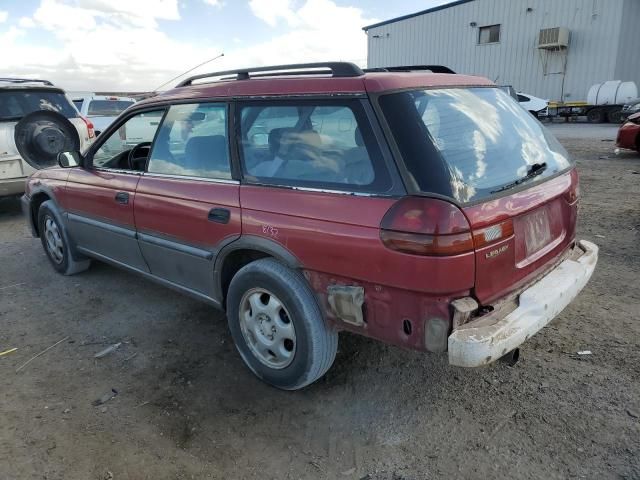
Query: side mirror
pixel 69 159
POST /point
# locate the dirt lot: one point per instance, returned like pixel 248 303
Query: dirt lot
pixel 188 408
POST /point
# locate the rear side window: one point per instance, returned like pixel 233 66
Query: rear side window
pixel 107 108
pixel 193 141
pixel 470 143
pixel 78 104
pixel 15 104
pixel 325 144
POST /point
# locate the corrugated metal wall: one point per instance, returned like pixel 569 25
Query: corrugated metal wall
pixel 445 37
pixel 628 59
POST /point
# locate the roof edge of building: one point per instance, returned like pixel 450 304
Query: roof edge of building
pixel 416 14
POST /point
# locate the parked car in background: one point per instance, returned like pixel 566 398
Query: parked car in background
pixel 100 109
pixel 631 107
pixel 536 106
pixel 421 209
pixel 20 98
pixel 629 133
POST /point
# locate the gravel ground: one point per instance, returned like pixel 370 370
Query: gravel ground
pixel 186 407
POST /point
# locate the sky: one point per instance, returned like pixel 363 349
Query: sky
pixel 136 45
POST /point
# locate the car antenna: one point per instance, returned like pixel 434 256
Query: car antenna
pixel 190 70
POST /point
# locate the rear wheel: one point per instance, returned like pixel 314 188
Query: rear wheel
pixel 55 241
pixel 277 325
pixel 615 116
pixel 596 115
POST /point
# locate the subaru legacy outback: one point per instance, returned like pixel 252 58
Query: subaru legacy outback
pixel 426 210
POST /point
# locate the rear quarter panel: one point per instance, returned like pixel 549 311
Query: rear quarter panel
pixel 336 240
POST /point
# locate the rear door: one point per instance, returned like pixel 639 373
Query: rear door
pixel 513 180
pixel 531 229
pixel 100 200
pixel 187 204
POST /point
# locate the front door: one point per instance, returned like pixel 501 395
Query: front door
pixel 99 199
pixel 187 205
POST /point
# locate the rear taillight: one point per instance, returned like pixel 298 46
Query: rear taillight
pixel 89 125
pixel 426 226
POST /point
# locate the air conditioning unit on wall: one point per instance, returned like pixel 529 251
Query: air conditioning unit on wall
pixel 553 38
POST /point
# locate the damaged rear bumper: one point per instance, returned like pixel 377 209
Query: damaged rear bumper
pixel 480 342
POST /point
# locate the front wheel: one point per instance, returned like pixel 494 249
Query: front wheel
pixel 277 325
pixel 56 242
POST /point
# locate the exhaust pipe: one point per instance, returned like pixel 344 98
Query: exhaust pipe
pixel 511 358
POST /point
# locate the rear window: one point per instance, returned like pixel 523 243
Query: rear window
pixel 107 108
pixel 470 143
pixel 15 104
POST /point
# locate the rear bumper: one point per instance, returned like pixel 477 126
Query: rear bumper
pixel 12 186
pixel 480 343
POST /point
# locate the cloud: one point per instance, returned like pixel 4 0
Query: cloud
pixel 320 30
pixel 100 45
pixel 270 11
pixel 214 3
pixel 26 22
pixel 3 16
pixel 117 45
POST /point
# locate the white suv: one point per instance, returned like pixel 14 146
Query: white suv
pixel 101 110
pixel 18 98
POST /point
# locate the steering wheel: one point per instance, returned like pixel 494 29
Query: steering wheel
pixel 136 154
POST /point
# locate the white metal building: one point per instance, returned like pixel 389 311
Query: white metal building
pixel 554 49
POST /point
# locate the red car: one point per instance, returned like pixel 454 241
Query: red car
pixel 629 133
pixel 425 210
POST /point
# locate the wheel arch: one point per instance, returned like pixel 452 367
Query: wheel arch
pixel 243 251
pixel 37 198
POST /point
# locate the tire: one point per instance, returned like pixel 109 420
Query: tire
pixel 288 346
pixel 615 116
pixel 55 241
pixel 596 115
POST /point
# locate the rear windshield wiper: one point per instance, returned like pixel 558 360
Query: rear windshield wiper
pixel 534 170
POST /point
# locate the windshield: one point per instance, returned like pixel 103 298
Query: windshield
pixel 107 108
pixel 470 143
pixel 15 104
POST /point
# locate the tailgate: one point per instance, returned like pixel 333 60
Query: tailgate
pixel 538 225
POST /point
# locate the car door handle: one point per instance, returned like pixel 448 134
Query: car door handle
pixel 122 197
pixel 219 215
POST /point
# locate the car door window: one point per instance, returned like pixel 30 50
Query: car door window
pixel 137 132
pixel 193 141
pixel 317 144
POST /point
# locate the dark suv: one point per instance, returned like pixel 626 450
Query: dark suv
pixel 426 210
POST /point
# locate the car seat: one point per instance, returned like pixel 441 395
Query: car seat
pixel 206 154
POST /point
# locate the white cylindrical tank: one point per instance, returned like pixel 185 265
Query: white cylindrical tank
pixel 613 92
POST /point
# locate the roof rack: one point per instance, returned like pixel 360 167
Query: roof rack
pixel 412 68
pixel 26 80
pixel 335 69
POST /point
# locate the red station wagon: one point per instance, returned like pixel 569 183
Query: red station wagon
pixel 426 210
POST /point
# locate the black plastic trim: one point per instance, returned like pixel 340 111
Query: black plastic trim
pixel 335 69
pixel 150 276
pixel 125 232
pixel 180 247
